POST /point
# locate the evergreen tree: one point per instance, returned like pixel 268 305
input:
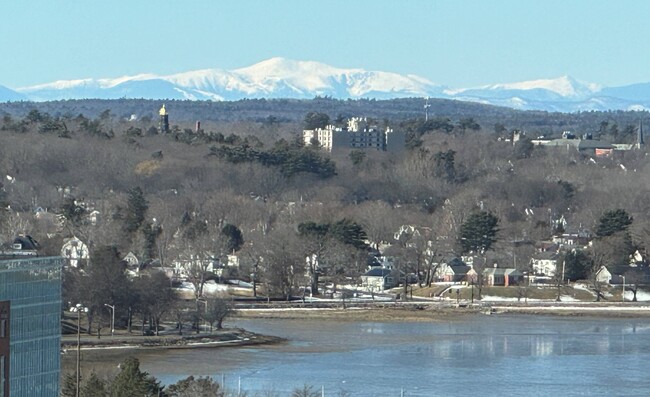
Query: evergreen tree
pixel 612 222
pixel 150 233
pixel 315 120
pixel 131 381
pixel 349 232
pixel 345 231
pixel 318 230
pixel 94 387
pixel 137 208
pixel 195 387
pixel 478 232
pixel 357 156
pixel 72 211
pixel 234 236
pixel 577 265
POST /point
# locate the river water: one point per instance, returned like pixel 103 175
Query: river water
pixel 482 355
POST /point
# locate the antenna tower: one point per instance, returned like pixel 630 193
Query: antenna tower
pixel 426 110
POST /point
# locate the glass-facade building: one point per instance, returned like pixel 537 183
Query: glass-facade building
pixel 30 326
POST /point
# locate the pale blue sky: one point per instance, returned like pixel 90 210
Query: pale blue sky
pixel 459 43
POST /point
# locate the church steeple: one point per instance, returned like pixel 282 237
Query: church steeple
pixel 639 140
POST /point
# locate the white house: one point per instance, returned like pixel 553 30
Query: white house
pixel 603 275
pixel 379 279
pixel 544 263
pixel 206 262
pixel 131 259
pixel 75 251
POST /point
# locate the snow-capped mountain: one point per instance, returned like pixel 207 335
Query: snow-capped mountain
pixel 564 94
pixel 273 78
pixel 283 78
pixel 564 87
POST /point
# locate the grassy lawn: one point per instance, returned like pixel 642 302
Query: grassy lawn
pixel 513 292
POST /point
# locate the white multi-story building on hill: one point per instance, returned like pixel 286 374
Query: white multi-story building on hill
pixel 358 135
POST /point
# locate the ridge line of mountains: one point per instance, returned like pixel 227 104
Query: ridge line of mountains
pixel 283 78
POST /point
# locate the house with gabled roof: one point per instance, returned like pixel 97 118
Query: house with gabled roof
pixel 455 270
pixel 502 276
pixel 379 279
pixel 544 263
pixel 75 251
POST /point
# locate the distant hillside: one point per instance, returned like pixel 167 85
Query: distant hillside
pixel 294 110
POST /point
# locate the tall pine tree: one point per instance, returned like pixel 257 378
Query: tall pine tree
pixel 136 210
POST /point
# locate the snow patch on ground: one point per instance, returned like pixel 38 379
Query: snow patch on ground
pixel 641 296
pixel 509 299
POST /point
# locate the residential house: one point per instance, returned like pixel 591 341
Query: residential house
pixel 25 243
pixel 616 274
pixel 544 263
pixel 459 273
pixel 455 270
pixel 21 246
pixel 637 259
pixel 75 251
pixel 184 265
pixel 573 238
pixel 547 246
pixel 606 274
pixel 232 262
pixel 502 276
pixel 131 260
pixel 379 279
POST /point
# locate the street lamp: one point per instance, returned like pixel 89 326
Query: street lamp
pixel 112 307
pixel 205 302
pixel 78 308
pixel 623 298
pixel 254 277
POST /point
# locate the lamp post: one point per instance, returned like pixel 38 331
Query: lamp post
pixel 623 297
pixel 112 307
pixel 254 277
pixel 205 302
pixel 78 308
pixel 472 282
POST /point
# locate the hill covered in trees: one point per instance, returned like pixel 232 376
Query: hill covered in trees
pixel 164 196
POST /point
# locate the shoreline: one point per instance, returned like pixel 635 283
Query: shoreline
pixel 228 337
pixel 414 312
pixel 435 311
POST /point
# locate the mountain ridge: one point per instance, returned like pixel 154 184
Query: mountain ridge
pixel 284 78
